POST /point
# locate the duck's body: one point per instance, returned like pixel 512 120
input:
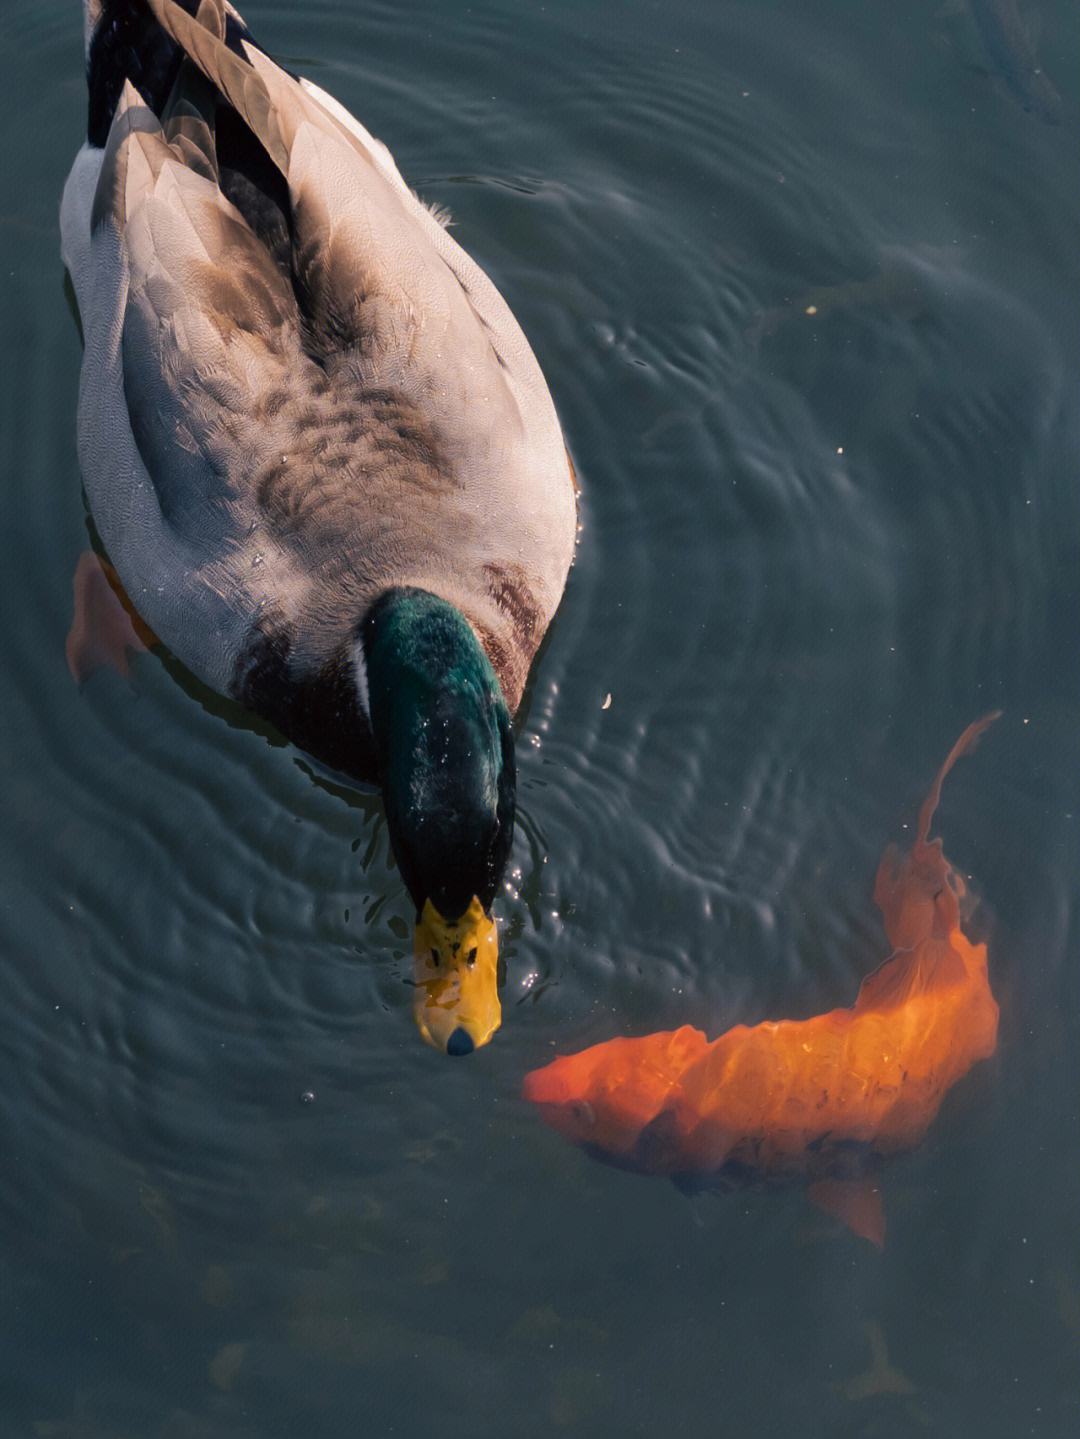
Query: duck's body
pixel 299 394
pixel 275 430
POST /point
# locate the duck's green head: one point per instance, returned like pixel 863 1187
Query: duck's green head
pixel 446 766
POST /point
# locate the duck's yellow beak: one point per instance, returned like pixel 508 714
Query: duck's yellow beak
pixel 455 964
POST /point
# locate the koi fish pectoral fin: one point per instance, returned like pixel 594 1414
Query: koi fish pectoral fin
pixel 658 1145
pixel 857 1203
pixel 105 626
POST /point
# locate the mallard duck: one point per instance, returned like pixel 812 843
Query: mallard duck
pixel 317 448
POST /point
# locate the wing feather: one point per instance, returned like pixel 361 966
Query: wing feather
pixel 240 83
pixel 132 161
pixel 209 329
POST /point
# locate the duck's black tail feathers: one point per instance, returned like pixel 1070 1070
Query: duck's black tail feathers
pixel 125 41
pixel 189 62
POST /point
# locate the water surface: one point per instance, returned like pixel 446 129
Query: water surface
pixel 814 546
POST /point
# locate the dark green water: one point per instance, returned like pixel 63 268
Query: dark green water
pixel 813 548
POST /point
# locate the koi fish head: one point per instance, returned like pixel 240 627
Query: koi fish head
pixel 605 1096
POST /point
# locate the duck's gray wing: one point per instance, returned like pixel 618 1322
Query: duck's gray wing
pixel 358 413
pixel 209 322
pixel 380 281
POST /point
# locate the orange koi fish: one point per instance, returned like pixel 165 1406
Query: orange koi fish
pixel 820 1098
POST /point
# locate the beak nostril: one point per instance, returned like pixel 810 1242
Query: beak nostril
pixel 459 1043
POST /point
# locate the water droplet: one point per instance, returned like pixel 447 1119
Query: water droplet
pixel 307 1097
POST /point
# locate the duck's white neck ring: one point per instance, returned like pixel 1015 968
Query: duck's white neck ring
pixel 359 669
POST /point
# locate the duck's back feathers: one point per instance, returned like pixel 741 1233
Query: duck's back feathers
pixel 299 392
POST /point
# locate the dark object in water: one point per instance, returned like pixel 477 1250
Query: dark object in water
pixel 901 287
pixel 1013 53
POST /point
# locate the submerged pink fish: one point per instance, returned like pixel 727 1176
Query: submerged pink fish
pixel 104 628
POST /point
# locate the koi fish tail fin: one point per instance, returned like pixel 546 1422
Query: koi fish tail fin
pixel 919 893
pixel 964 745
